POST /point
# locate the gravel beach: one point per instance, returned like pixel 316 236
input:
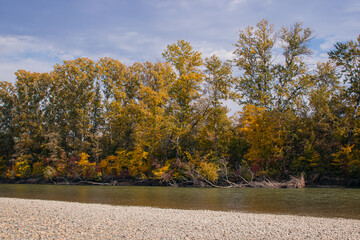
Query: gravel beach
pixel 39 219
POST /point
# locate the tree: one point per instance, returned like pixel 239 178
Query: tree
pixel 265 83
pixel 292 77
pixel 314 135
pixel 31 91
pixel 111 74
pixel 265 135
pixel 74 104
pixel 154 124
pixel 7 108
pixel 347 58
pixel 218 88
pixel 186 87
pixel 254 57
pixel 124 109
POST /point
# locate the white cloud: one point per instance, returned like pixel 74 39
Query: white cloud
pixel 221 53
pixel 38 55
pixel 208 49
pixel 17 45
pixel 8 68
pixel 28 53
pixel 328 44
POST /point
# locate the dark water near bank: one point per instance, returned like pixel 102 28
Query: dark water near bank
pixel 324 202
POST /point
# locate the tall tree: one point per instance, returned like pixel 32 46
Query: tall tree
pixel 218 88
pixel 254 57
pixel 31 102
pixel 74 89
pixel 314 135
pixel 347 58
pixel 292 77
pixel 265 83
pixel 7 108
pixel 154 124
pixel 186 87
pixel 111 74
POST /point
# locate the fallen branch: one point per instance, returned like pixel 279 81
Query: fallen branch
pixel 93 183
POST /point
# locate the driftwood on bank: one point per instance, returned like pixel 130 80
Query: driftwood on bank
pixel 197 180
pixel 292 183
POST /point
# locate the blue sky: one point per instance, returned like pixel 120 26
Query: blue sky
pixel 37 34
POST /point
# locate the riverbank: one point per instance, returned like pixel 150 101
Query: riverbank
pixel 39 219
pixel 293 182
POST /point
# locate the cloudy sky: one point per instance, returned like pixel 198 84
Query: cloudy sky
pixel 36 34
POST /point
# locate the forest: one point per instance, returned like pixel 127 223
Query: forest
pixel 168 122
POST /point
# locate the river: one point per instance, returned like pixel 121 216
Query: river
pixel 320 202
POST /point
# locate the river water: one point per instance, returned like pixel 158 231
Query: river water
pixel 323 202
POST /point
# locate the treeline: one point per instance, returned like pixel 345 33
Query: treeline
pixel 167 121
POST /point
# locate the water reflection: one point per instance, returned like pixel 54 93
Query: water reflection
pixel 311 202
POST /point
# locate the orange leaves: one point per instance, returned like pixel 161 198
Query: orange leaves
pixel 265 134
pixel 134 162
pixel 87 169
pixel 348 160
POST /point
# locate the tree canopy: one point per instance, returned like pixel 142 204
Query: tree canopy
pixel 167 121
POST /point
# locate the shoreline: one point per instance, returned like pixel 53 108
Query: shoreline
pixel 153 183
pixel 38 219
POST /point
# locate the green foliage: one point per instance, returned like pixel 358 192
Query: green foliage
pixel 7 111
pixel 38 169
pixel 3 165
pixel 347 57
pixel 254 56
pixel 265 83
pixel 50 172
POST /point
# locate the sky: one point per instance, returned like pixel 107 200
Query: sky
pixel 37 34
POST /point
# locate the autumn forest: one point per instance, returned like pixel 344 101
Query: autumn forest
pixel 168 122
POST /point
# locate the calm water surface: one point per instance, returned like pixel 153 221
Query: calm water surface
pixel 325 202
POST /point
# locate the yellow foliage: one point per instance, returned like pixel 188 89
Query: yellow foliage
pixel 264 133
pixel 87 169
pixel 160 173
pixel 310 159
pixel 113 165
pixel 22 167
pixel 209 170
pixel 60 167
pixel 83 160
pixel 38 169
pixel 348 160
pixel 137 162
pixel 344 156
pixel 134 161
pixel 202 167
pixel 10 173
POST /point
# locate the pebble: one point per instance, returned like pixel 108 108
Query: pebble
pixel 40 219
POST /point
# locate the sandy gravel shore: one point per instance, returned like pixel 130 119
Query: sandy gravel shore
pixel 39 219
